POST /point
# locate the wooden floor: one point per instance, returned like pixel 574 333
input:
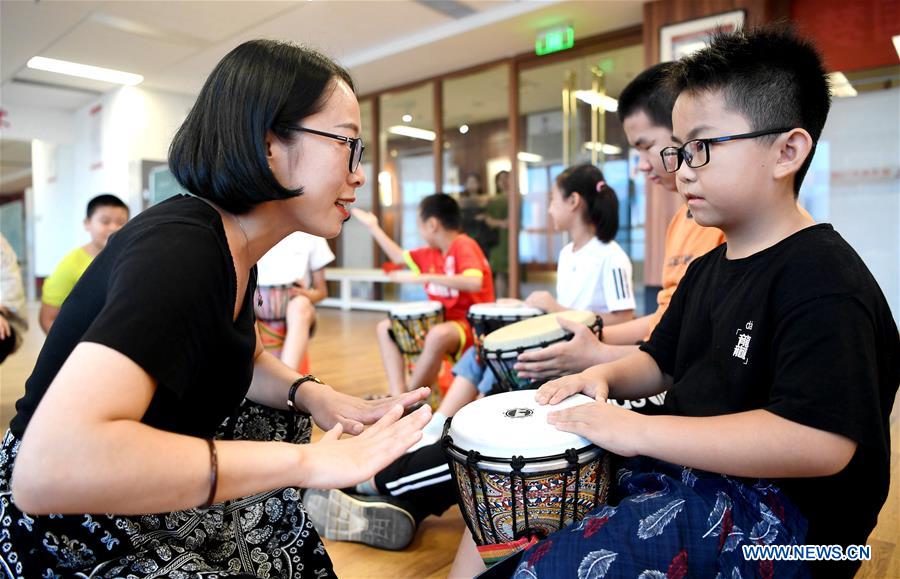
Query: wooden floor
pixel 344 354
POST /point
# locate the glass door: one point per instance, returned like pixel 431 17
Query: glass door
pixel 476 161
pixel 568 117
pixel 406 175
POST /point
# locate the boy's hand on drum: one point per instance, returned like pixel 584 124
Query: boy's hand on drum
pixel 556 391
pixel 563 358
pixel 333 462
pixel 608 426
pixel 543 300
pixel 329 407
pixel 364 217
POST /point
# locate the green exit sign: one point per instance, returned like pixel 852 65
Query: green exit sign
pixel 554 40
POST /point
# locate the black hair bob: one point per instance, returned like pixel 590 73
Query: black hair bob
pixel 219 153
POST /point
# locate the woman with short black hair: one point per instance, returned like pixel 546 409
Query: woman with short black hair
pixel 152 393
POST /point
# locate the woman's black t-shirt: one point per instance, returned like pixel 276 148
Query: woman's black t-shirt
pixel 162 293
pixel 802 330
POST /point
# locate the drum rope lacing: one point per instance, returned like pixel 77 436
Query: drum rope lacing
pixel 517 463
pixel 572 459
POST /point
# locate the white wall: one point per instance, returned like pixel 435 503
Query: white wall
pixel 863 133
pixel 95 152
pixel 26 123
pixel 162 114
pixel 101 147
pixel 56 216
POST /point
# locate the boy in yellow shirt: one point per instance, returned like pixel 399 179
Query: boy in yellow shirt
pixel 106 214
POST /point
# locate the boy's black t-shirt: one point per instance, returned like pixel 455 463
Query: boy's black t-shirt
pixel 802 330
pixel 162 293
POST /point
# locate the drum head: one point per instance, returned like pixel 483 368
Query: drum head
pixel 415 309
pixel 505 309
pixel 513 423
pixel 535 331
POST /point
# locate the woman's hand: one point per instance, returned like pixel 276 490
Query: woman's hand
pixel 608 426
pixel 587 383
pixel 329 407
pixel 364 217
pixel 333 463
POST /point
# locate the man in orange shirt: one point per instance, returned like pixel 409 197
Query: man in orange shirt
pixel 645 109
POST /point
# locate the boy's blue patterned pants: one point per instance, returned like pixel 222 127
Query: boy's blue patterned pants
pixel 669 521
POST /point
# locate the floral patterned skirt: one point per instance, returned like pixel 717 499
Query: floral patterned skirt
pixel 267 535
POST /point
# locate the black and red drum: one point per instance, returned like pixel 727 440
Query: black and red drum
pixel 487 317
pixel 502 347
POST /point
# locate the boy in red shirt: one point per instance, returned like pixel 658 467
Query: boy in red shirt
pixel 454 271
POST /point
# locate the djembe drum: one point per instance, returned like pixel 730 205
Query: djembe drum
pixel 502 347
pixel 518 476
pixel 487 317
pixel 410 323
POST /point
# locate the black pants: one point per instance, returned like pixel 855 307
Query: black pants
pixel 420 481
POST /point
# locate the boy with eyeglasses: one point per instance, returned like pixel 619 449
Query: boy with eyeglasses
pixel 645 109
pixel 779 352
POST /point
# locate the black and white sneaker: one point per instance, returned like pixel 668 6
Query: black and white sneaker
pixel 371 520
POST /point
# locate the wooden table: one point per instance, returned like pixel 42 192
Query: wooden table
pixel 346 277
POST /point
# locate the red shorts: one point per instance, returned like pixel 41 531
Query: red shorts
pixel 466 337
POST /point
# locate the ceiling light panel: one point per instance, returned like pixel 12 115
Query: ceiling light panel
pixel 84 71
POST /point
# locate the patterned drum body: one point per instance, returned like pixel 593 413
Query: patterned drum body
pixel 275 300
pixel 411 322
pixel 517 475
pixel 503 346
pixel 487 317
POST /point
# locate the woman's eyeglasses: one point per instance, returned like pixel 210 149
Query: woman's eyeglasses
pixel 356 145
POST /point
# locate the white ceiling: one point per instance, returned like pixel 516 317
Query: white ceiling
pixel 174 45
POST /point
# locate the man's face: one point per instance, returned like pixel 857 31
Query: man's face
pixel 649 139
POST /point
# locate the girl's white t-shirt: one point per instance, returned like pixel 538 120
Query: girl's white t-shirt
pixel 293 258
pixel 597 277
